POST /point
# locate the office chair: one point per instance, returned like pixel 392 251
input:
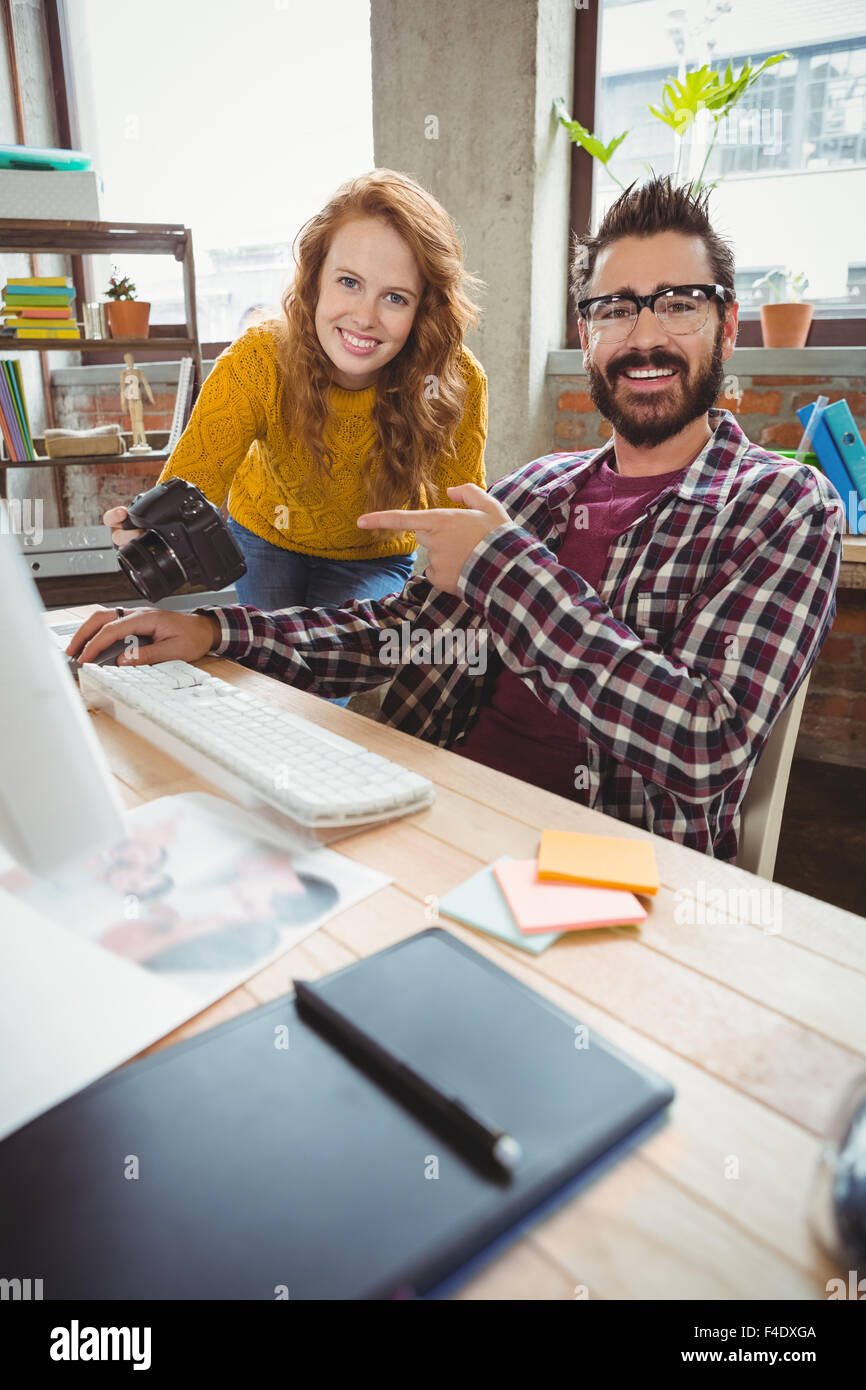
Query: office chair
pixel 764 802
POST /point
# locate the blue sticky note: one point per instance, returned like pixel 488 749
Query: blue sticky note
pixel 480 903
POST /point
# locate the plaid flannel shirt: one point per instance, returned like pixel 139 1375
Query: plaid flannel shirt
pixel 711 610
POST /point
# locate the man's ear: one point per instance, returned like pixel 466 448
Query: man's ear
pixel 584 340
pixel 729 340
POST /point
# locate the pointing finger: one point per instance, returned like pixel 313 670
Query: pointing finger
pixel 396 521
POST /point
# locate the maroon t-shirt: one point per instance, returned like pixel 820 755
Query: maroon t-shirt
pixel 515 732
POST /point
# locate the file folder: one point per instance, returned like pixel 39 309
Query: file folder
pixel 849 442
pixel 831 463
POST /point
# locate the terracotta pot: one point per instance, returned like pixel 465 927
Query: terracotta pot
pixel 127 318
pixel 785 325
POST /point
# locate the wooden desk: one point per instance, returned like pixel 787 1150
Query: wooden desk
pixel 758 1032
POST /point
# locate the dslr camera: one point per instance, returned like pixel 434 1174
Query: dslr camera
pixel 185 541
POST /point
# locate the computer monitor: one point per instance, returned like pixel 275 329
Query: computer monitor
pixel 58 799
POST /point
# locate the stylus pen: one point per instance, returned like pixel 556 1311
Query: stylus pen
pixel 484 1141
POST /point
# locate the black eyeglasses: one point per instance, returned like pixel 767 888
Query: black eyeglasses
pixel 681 309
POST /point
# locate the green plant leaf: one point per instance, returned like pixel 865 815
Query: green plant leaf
pixel 732 88
pixel 706 89
pixel 681 101
pixel 581 136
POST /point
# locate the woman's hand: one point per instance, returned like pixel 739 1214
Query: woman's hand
pixel 176 636
pixel 113 518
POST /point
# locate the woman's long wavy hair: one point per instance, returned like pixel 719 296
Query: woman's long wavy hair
pixel 414 422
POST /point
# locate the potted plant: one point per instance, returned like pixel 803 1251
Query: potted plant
pixel 786 321
pixel 127 316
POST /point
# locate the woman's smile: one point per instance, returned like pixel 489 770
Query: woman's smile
pixel 358 344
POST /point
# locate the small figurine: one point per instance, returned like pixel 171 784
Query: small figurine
pixel 131 382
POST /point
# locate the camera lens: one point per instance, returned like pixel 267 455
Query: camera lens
pixel 151 566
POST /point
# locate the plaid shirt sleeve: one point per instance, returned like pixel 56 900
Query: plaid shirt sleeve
pixel 327 651
pixel 689 717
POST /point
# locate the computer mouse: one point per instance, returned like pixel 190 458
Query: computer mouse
pixel 110 655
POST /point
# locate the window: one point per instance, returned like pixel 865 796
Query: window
pixel 835 91
pixel 793 147
pixel 238 120
pixel 745 278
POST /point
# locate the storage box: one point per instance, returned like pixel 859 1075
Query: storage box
pixel 67 196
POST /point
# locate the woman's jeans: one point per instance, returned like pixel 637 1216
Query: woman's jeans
pixel 278 578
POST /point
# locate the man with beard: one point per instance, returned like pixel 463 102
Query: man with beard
pixel 649 607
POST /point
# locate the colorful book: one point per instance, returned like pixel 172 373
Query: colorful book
pixel 602 861
pixel 40 313
pixel 23 399
pixel 5 420
pixel 16 321
pixel 544 907
pixel 17 415
pixel 55 281
pixel 7 438
pixel 849 442
pixel 34 293
pixel 12 430
pixel 12 368
pixel 47 333
pixel 53 299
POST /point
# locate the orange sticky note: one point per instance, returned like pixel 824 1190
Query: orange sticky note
pixel 543 907
pixel 604 861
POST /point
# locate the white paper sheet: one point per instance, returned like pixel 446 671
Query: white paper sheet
pixel 102 960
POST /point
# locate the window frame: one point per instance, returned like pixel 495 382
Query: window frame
pixel 843 330
pixel 828 329
pixel 68 137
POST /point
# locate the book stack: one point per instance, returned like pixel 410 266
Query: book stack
pixel 14 424
pixel 39 306
pixel 842 456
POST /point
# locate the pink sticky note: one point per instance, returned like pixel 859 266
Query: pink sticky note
pixel 538 906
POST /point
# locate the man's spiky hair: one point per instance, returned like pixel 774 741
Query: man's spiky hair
pixel 659 205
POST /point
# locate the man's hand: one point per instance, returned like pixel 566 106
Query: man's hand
pixel 449 534
pixel 176 636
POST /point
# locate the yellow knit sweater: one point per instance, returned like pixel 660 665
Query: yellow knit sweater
pixel 236 443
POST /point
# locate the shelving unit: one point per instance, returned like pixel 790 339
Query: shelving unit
pixel 64 238
pixel 185 345
pixel 158 454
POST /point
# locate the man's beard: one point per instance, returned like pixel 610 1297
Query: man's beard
pixel 648 421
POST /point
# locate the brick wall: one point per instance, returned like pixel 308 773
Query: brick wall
pixel 764 406
pixel 833 727
pixel 89 491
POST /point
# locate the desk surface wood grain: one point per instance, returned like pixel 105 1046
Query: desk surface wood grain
pixel 750 998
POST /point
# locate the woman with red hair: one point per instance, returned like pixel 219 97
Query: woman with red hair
pixel 360 398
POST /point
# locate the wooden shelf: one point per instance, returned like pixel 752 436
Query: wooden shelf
pixel 43 461
pixel 56 237
pixel 854 550
pixel 8 344
pixel 159 454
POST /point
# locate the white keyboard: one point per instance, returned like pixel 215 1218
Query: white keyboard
pixel 255 750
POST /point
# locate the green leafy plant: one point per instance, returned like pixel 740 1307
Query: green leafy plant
pixel 120 288
pixel 581 136
pixel 703 90
pixel 785 286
